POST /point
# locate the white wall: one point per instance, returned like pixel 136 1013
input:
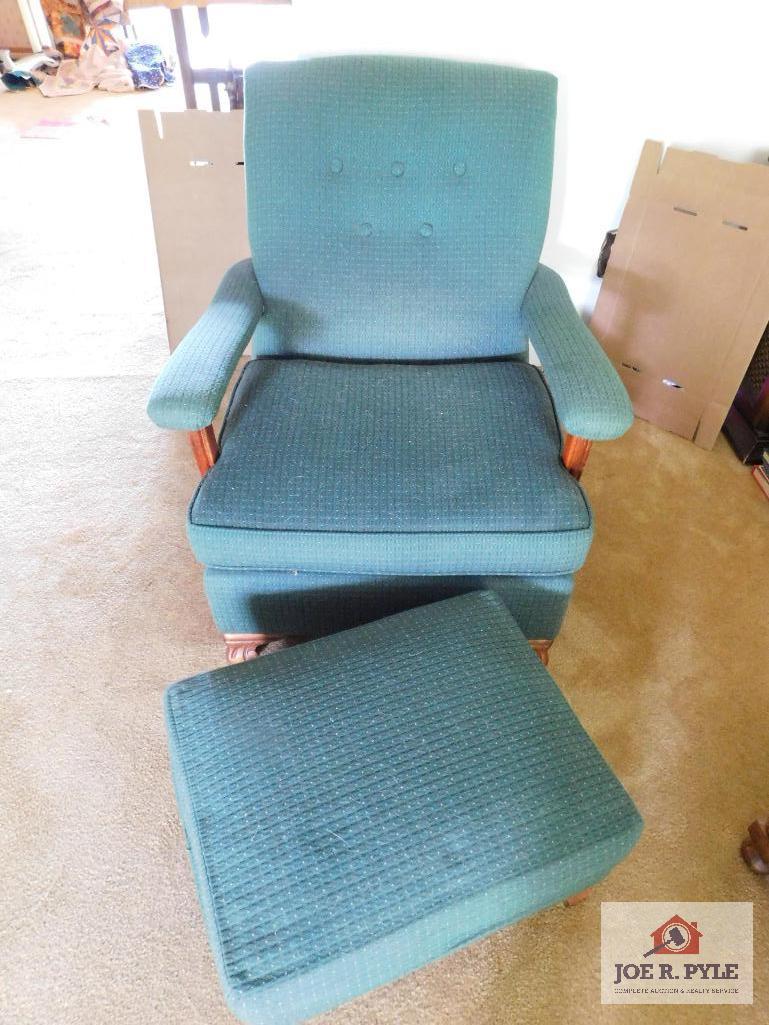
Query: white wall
pixel 694 74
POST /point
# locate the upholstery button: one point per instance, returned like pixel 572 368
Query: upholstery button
pixel 336 166
pixel 426 230
pixel 364 228
pixel 398 167
pixel 460 168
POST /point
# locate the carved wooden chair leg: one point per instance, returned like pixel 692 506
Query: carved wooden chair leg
pixel 577 898
pixel 575 453
pixel 755 849
pixel 542 650
pixel 246 647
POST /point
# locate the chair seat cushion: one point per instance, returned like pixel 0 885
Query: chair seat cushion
pixel 362 804
pixel 391 467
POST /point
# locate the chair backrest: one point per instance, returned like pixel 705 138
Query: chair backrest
pixel 396 205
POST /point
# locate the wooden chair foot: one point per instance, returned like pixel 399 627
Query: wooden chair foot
pixel 755 849
pixel 577 898
pixel 541 650
pixel 247 647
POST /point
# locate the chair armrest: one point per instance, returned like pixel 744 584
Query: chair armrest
pixel 589 397
pixel 190 388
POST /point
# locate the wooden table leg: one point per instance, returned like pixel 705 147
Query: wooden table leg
pixel 183 53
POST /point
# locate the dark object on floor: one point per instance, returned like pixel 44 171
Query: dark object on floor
pixel 747 423
pixel 20 79
pixel 361 805
pixel 755 849
pixel 148 66
pixel 603 256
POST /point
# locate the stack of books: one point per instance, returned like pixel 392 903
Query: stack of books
pixel 761 473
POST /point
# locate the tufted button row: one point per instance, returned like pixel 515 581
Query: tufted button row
pixel 365 228
pixel 398 168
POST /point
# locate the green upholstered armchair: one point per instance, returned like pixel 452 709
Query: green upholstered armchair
pixel 389 444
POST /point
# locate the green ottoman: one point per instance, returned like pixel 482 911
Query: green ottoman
pixel 365 803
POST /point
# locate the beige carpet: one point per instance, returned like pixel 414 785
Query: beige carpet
pixel 663 654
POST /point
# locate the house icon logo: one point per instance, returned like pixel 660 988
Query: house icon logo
pixel 676 936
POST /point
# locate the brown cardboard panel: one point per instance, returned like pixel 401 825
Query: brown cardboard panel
pixel 193 160
pixel 685 296
pixel 711 422
pixel 675 409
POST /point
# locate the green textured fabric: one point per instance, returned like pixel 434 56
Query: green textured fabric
pixel 391 467
pixel 363 804
pixel 314 604
pixel 190 388
pixel 396 205
pixel 590 399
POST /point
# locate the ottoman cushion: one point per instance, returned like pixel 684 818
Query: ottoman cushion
pixel 362 804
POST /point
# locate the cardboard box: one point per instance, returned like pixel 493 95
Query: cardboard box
pixel 685 297
pixel 194 164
